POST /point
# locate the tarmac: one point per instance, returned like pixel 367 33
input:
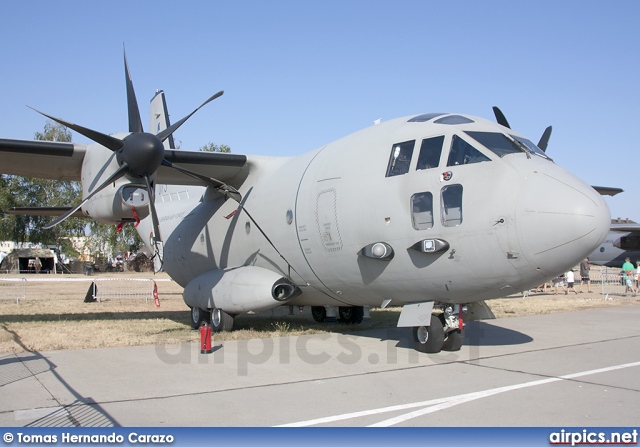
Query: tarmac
pixel 565 369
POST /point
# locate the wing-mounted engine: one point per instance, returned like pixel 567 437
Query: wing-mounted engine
pixel 239 290
pixel 123 200
pixel 118 175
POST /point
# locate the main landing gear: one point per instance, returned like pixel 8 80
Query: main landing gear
pixel 219 320
pixel 444 333
pixel 198 316
pixel 347 315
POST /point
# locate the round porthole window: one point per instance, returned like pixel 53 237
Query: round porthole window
pixel 289 217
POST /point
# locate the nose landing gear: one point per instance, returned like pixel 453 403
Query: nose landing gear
pixel 444 333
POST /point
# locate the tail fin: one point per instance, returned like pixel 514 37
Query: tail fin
pixel 159 118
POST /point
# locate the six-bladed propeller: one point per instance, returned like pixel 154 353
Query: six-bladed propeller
pixel 139 155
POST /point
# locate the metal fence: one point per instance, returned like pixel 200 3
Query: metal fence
pixel 13 289
pixel 611 281
pixel 118 288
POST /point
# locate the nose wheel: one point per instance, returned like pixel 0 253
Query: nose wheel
pixel 454 340
pixel 429 339
pixel 433 338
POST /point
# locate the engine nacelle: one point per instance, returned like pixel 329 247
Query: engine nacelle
pixel 116 204
pixel 239 290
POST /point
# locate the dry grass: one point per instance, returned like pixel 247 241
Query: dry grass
pixel 539 304
pixel 54 317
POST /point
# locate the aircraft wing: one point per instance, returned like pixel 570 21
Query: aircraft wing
pixel 608 190
pixel 52 211
pixel 623 227
pixel 42 159
pixel 63 161
pixel 220 166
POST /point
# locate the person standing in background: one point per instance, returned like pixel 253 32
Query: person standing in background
pixel 584 274
pixel 629 276
pixel 570 280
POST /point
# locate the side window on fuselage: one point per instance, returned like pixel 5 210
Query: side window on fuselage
pixel 451 205
pixel 422 210
pixel 400 158
pixel 430 151
pixel 462 153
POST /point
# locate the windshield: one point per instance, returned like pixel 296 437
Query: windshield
pixel 532 147
pixel 496 142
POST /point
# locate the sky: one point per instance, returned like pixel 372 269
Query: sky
pixel 300 74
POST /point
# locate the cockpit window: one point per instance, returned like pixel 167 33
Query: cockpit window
pixel 454 119
pixel 532 147
pixel 422 210
pixel 498 143
pixel 451 205
pixel 400 158
pixel 462 153
pixel 430 152
pixel 424 118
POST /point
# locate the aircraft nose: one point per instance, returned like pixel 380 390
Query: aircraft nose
pixel 560 219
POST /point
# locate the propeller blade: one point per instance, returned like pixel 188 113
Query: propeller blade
pixel 500 118
pixel 152 210
pixel 122 170
pixel 228 191
pixel 135 124
pixel 544 139
pixel 107 141
pixel 170 130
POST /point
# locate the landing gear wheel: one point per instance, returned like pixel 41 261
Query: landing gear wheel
pixel 454 340
pixel 198 316
pixel 429 339
pixel 221 321
pixel 319 313
pixel 351 315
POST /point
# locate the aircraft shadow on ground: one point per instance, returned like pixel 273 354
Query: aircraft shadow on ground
pixel 483 333
pixel 477 333
pixel 382 327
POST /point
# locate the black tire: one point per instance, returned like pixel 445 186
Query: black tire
pixel 319 313
pixel 429 339
pixel 221 321
pixel 351 315
pixel 198 316
pixel 454 340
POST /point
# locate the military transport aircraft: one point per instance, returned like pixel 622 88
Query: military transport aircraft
pixel 434 212
pixel 623 241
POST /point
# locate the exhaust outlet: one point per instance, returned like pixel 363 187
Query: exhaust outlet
pixel 284 290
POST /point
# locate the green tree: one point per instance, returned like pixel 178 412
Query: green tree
pixel 211 147
pixel 54 132
pixel 106 240
pixel 18 191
